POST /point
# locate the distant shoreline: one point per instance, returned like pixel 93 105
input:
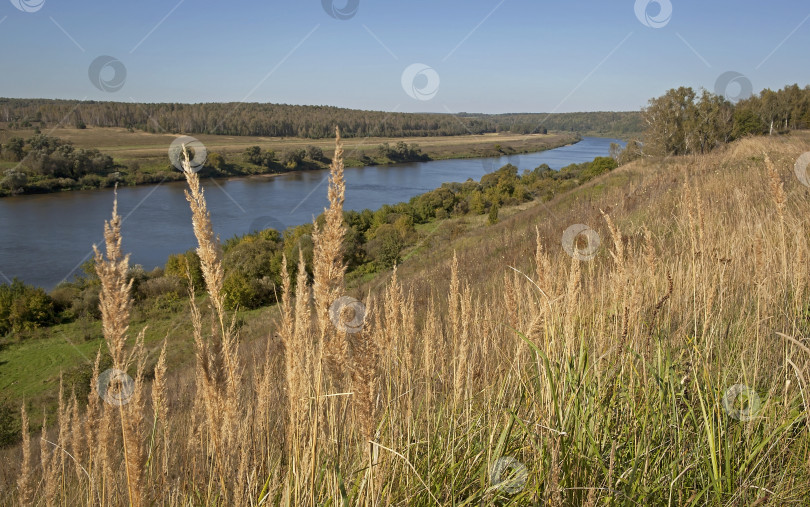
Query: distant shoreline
pixel 157 169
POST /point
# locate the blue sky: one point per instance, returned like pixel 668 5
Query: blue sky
pixel 490 56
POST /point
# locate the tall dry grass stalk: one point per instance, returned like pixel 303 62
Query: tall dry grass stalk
pixel 25 482
pixel 777 190
pixel 160 408
pixel 115 303
pixel 328 265
pixel 115 300
pixel 219 370
pixel 542 263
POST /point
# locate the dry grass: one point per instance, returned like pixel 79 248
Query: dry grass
pixel 604 378
pixel 151 147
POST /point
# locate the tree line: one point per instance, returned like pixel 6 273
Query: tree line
pixel 683 121
pixel 283 120
pixel 49 164
pixel 50 159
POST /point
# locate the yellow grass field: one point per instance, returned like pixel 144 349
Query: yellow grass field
pixel 127 146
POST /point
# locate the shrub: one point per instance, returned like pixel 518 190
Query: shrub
pixel 14 180
pixel 314 153
pixel 163 285
pixel 600 165
pixel 23 307
pixel 180 265
pixel 86 305
pixel 246 292
pixel 216 161
pixel 9 425
pixel 386 246
pixel 493 214
pixel 91 181
pixel 63 298
pixel 292 158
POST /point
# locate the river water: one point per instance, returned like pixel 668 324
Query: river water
pixel 45 238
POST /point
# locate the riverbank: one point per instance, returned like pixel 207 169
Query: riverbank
pixel 64 327
pixel 139 158
pixel 35 226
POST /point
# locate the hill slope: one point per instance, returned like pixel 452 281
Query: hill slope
pixel 667 368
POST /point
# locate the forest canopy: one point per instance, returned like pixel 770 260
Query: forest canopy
pixel 282 120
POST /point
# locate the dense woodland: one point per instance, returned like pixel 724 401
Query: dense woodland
pixel 282 120
pixel 683 121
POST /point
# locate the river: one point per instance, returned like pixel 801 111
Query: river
pixel 45 238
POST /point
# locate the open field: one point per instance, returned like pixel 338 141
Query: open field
pixel 668 365
pixel 125 146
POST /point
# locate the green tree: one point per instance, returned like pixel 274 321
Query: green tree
pixel 493 214
pixel 183 264
pixel 314 153
pixel 386 245
pixel 216 161
pixel 14 180
pixel 293 158
pixel 632 151
pixel 668 120
pixel 478 204
pixel 14 149
pixel 746 122
pixel 268 158
pixel 253 155
pixel 710 125
pixel 23 307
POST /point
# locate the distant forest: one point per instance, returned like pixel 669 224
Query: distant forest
pixel 315 122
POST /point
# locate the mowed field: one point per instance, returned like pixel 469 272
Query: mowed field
pixel 126 146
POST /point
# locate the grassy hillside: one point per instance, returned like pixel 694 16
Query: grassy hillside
pixel 493 367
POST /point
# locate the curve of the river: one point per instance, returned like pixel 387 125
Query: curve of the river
pixel 45 238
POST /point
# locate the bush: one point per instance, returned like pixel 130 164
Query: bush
pixel 314 153
pixel 493 214
pixel 600 165
pixel 63 298
pixel 246 292
pixel 14 180
pixel 216 161
pixel 86 305
pixel 386 246
pixel 180 265
pixel 23 307
pixel 164 285
pixel 91 181
pixel 9 424
pixel 292 158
